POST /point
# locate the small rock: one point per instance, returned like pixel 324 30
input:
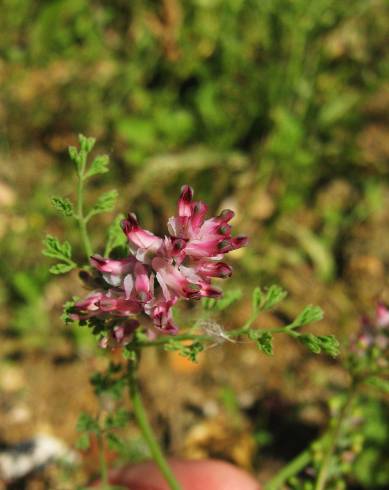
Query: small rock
pixel 19 415
pixel 21 459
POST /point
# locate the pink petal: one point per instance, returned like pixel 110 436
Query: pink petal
pixel 171 279
pixel 203 248
pixel 142 282
pixel 112 266
pixel 199 210
pixel 382 315
pixel 128 284
pixel 239 242
pixel 138 236
pixel 214 269
pixel 185 201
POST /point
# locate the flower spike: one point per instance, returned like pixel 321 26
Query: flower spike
pixel 160 271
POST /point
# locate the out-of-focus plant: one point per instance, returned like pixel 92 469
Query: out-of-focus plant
pixel 355 417
pixel 137 284
pixel 32 310
pixel 156 78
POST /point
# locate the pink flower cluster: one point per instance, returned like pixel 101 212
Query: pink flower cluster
pixel 159 271
pixel 374 333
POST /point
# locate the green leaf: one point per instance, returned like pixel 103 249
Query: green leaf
pixel 61 251
pixel 78 157
pixel 98 166
pixel 274 295
pixel 83 442
pixel 86 144
pixel 329 344
pixel 73 153
pixel 61 268
pixel 256 300
pixel 63 205
pixel 115 443
pixel 191 351
pixel 106 202
pixel 309 314
pixel 379 383
pixel 117 419
pixel 86 423
pixel 129 354
pixel 108 384
pixel 316 344
pixel 311 341
pixel 265 343
pixel 68 308
pixel 55 249
pixel 188 351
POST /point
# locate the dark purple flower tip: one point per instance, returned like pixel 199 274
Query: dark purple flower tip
pixel 97 261
pixel 226 215
pixel 224 246
pixel 211 291
pixel 239 241
pixel 215 269
pixel 200 207
pixel 224 229
pixel 129 224
pixel 186 194
pixel 224 270
pixel 192 291
pixel 178 244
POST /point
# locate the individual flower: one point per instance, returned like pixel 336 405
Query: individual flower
pixel 209 238
pixel 373 335
pixel 120 335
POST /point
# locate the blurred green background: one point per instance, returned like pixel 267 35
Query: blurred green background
pixel 277 109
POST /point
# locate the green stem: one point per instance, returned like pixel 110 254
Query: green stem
pixel 291 469
pixel 204 338
pixel 333 438
pixel 102 462
pixel 80 213
pixel 165 340
pixel 147 431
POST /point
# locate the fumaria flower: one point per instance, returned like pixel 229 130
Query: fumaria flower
pixel 160 271
pixel 373 333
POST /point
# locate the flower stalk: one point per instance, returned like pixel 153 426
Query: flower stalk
pixel 103 463
pixel 292 468
pixel 146 429
pixel 81 219
pixel 333 437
